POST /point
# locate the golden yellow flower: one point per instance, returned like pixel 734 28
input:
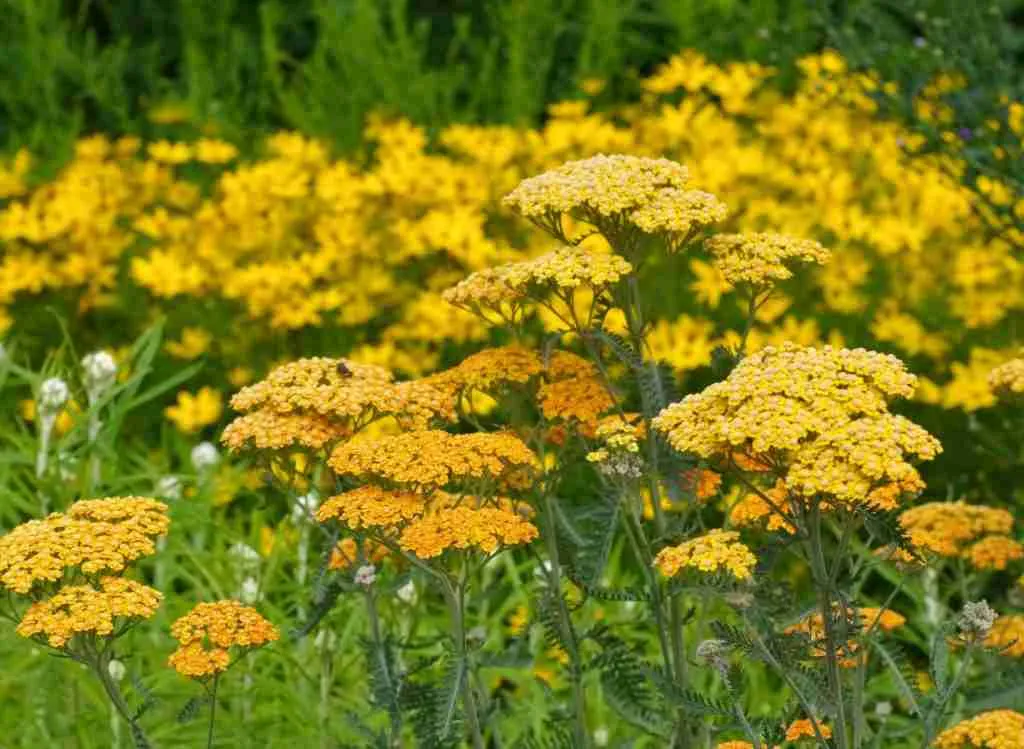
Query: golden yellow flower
pixel 266 429
pixel 715 551
pixel 1008 378
pixel 822 413
pixel 193 412
pixel 372 507
pixel 996 729
pixel 101 536
pixel 946 528
pixel 484 529
pixel 207 633
pixel 1007 635
pixel 994 552
pixel 803 728
pixel 436 459
pixel 80 609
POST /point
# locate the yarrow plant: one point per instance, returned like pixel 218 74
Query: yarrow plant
pixel 576 446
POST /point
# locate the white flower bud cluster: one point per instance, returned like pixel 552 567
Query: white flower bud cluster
pixel 100 370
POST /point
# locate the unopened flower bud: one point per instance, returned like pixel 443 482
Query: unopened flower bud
pixel 169 487
pixel 976 620
pixel 116 669
pixel 100 371
pixel 407 593
pixel 204 456
pixel 713 653
pixel 53 394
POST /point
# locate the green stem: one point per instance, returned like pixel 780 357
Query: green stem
pixel 566 625
pixel 772 661
pixel 213 711
pixel 824 581
pixel 456 603
pixel 101 667
pixel 382 662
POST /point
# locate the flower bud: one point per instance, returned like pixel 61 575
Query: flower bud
pixel 204 456
pixel 53 394
pixel 976 620
pixel 116 669
pixel 407 593
pixel 100 371
pixel 169 487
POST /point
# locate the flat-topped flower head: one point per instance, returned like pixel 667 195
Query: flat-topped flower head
pixel 678 215
pixel 98 610
pixel 601 186
pixel 350 393
pixel 432 459
pixel 373 507
pixel 994 553
pixel 149 516
pixel 572 392
pixel 819 414
pixel 266 429
pixel 762 259
pixel 1007 635
pixel 491 370
pixel 465 527
pixel 39 552
pixel 1007 379
pixel 716 551
pixel 949 529
pixel 506 290
pixel 207 634
pixel 995 729
pixel 618 194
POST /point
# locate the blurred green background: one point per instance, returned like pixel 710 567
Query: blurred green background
pixel 238 66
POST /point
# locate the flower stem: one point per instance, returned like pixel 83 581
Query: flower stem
pixel 565 623
pixel 456 604
pixel 213 711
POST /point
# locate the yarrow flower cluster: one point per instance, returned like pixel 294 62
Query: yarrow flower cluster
pixel 762 259
pixel 612 192
pixel 86 609
pixel 1006 634
pixel 996 729
pixel 715 551
pixel 505 289
pixel 1008 379
pixel 819 414
pixel 313 402
pixel 428 459
pixel 856 619
pixel 95 536
pixel 977 533
pixel 427 525
pixel 207 634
